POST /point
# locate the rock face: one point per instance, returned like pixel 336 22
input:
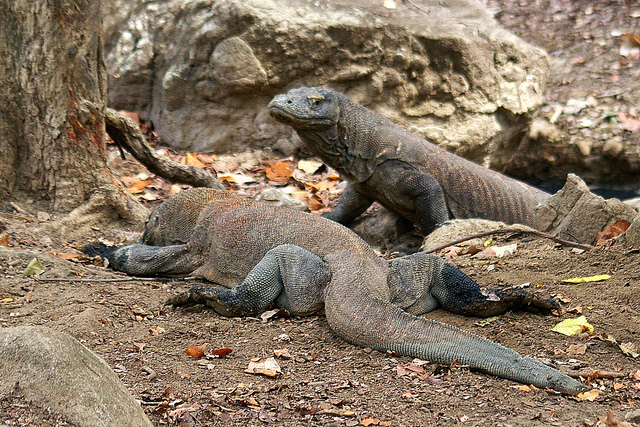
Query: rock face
pixel 53 370
pixel 575 213
pixel 204 70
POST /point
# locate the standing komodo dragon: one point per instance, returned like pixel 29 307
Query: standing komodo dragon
pixel 270 255
pixel 386 163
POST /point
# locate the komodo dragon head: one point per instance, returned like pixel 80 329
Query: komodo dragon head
pixel 320 116
pixel 306 108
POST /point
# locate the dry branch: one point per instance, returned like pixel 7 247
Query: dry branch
pixel 126 134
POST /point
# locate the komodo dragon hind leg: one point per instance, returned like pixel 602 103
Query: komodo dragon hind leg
pixel 289 276
pixel 421 282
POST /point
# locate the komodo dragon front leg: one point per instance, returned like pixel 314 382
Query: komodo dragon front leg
pixel 417 196
pixel 288 276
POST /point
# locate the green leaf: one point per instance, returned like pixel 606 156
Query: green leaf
pixel 485 322
pixel 34 268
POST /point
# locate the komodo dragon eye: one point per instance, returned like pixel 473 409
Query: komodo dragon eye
pixel 315 101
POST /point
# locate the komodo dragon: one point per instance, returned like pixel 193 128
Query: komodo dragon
pixel 386 163
pixel 271 255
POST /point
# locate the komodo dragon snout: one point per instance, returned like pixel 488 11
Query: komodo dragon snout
pixel 265 255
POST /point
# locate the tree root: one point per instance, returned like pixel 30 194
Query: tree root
pixel 126 134
pixel 105 206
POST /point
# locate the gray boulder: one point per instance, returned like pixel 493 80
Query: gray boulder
pixel 632 236
pixel 575 213
pixel 204 70
pixel 53 370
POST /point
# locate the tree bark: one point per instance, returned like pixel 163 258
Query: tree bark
pixel 52 103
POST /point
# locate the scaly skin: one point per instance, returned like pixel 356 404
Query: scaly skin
pixel 386 163
pixel 276 256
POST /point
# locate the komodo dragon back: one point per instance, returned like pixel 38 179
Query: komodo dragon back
pixel 268 255
pixel 406 173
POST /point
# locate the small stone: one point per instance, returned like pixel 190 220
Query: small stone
pixel 613 147
pixel 43 216
pixel 584 146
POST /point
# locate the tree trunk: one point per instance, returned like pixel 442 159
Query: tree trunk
pixel 52 103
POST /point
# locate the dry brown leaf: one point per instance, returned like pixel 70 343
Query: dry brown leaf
pixel 589 395
pixel 137 186
pixel 368 421
pixel 629 349
pixel 635 375
pixel 196 351
pixel 191 159
pixel 206 158
pixel 333 175
pixel 314 202
pixel 4 239
pixel 221 352
pixel 267 367
pixel 320 185
pixel 309 166
pixel 235 178
pixel 68 256
pixel 612 231
pixel 279 171
pixel 157 330
pixel 576 349
pixel 337 412
pixel 132 115
pixel 523 387
pixel 618 386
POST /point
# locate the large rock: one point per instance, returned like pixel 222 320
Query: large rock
pixel 204 70
pixel 575 213
pixel 53 370
pixel 632 236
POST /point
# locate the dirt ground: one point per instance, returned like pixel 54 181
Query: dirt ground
pixel 324 380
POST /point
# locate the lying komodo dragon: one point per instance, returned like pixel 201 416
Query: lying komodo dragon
pixel 386 163
pixel 271 255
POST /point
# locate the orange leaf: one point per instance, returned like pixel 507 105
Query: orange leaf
pixel 4 239
pixel 319 186
pixel 368 421
pixel 612 231
pixel 196 351
pixel 221 352
pixel 314 202
pixel 137 186
pixel 131 114
pixel 191 159
pixel 590 395
pixel 279 171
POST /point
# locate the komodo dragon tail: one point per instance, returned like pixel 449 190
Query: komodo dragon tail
pixel 363 319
